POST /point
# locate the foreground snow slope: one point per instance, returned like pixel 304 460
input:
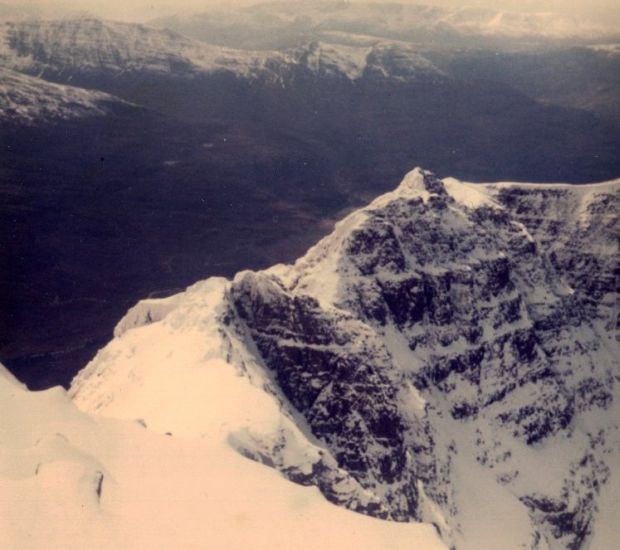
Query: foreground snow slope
pixel 448 354
pixel 72 480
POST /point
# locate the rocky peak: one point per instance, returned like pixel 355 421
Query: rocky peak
pixel 419 183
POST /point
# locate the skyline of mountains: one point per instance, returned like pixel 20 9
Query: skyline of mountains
pixel 502 20
pixel 278 24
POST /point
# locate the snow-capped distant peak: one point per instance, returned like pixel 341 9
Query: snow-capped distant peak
pixel 384 59
pixel 85 46
pixel 322 58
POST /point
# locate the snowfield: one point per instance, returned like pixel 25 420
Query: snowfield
pixel 69 479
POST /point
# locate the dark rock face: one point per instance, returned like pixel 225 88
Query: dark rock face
pixel 497 313
pixel 333 370
pixel 473 299
pixel 569 520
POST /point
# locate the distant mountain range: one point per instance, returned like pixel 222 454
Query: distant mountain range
pixel 82 46
pixel 277 24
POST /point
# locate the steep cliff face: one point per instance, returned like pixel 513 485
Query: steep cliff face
pixel 449 353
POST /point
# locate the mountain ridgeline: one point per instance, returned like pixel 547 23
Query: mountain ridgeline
pixel 449 354
pixel 380 105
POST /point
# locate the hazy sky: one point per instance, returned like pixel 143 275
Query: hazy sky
pixel 147 9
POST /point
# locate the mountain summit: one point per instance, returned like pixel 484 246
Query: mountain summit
pixel 447 355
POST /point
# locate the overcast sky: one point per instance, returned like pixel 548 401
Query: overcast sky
pixel 147 9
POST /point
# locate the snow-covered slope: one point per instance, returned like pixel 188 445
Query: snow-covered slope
pixel 389 60
pixel 29 100
pixel 87 44
pixel 83 46
pixel 73 480
pixel 448 354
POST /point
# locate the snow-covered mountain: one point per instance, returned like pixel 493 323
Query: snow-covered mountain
pixel 92 44
pixel 84 46
pixel 449 354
